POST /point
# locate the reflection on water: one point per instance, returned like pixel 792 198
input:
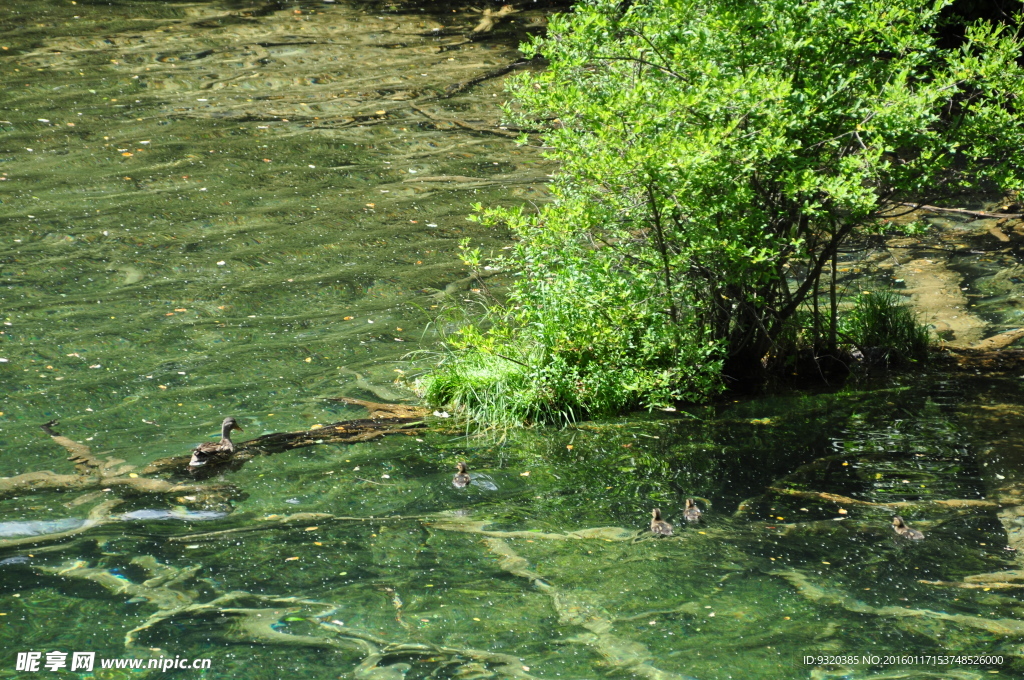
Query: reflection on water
pixel 212 209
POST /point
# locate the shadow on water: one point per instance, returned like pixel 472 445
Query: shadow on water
pixel 224 208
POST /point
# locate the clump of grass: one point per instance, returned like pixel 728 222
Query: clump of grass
pixel 884 328
pixel 485 388
pixel 555 372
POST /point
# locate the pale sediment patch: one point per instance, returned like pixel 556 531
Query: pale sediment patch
pixel 935 293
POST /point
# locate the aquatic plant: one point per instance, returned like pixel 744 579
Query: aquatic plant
pixel 884 329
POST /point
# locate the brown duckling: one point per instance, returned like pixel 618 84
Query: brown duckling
pixel 461 478
pixel 216 452
pixel 659 527
pixel 904 530
pixel 692 512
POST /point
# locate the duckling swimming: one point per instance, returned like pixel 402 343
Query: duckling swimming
pixel 902 529
pixel 659 527
pixel 692 512
pixel 461 478
pixel 216 452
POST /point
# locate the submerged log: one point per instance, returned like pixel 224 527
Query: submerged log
pixel 166 590
pixel 987 585
pixel 98 516
pixel 833 597
pixel 94 473
pixel 619 654
pixel 384 419
pixel 846 500
pixel 299 519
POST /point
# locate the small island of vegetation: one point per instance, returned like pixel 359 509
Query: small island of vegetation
pixel 715 157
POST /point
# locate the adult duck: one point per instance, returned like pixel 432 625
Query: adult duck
pixel 461 478
pixel 904 530
pixel 216 452
pixel 692 513
pixel 659 527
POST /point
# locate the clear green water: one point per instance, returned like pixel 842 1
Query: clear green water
pixel 149 295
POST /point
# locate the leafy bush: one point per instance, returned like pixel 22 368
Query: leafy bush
pixel 714 157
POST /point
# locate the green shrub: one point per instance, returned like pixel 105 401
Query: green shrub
pixel 715 156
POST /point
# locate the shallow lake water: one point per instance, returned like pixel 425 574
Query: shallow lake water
pixel 225 208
